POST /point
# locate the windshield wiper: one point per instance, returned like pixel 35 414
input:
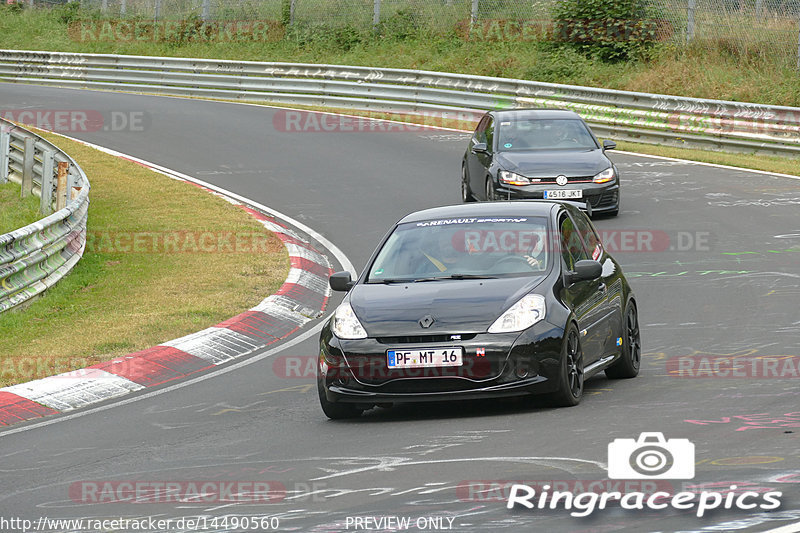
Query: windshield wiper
pixel 390 281
pixel 457 276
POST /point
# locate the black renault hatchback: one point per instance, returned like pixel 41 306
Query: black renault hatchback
pixel 479 300
pixel 539 153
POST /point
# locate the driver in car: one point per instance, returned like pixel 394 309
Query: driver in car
pixel 565 132
pixel 535 256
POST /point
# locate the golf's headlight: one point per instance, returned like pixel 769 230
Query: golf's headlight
pixel 604 176
pixel 511 178
pixel 522 315
pixel 345 324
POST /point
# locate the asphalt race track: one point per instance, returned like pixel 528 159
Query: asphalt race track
pixel 712 254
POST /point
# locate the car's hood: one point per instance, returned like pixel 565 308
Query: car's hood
pixel 457 306
pixel 549 163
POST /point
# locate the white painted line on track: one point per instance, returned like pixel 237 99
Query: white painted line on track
pixel 388 464
pixel 715 165
pixel 414 124
pixel 791 528
pixel 442 128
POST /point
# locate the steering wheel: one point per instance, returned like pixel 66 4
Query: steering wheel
pixel 568 141
pixel 515 259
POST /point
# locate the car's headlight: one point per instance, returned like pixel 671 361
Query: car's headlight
pixel 522 315
pixel 511 178
pixel 345 324
pixel 605 176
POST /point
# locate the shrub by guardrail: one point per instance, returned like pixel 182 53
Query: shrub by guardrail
pixel 35 257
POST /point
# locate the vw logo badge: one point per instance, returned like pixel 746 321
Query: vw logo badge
pixel 426 321
pixel 561 180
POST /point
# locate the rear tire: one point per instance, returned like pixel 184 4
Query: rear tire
pixel 336 411
pixel 570 378
pixel 631 359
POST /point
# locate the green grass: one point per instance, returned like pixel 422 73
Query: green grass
pixel 730 69
pixel 766 163
pixel 122 298
pixel 16 212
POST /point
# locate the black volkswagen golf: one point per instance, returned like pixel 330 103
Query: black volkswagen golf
pixel 539 153
pixel 475 301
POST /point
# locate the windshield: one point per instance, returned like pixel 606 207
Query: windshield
pixel 537 134
pixel 463 248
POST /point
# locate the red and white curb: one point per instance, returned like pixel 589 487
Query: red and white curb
pixel 302 298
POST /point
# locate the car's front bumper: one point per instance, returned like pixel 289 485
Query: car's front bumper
pixel 511 365
pixel 603 197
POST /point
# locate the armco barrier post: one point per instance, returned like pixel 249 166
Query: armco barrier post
pixel 5 146
pixel 72 190
pixel 61 185
pixel 376 14
pixel 27 166
pixel 46 196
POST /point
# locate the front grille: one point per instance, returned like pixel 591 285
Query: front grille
pixel 577 179
pixel 421 386
pixel 425 339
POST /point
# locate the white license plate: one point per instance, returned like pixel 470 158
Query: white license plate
pixel 425 357
pixel 563 194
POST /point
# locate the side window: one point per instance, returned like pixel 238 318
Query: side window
pixel 589 236
pixel 490 135
pixel 480 131
pixel 571 243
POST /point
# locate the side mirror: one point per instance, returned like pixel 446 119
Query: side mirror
pixel 609 145
pixel 480 148
pixel 585 269
pixel 341 281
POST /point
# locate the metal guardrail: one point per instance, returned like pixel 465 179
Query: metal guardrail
pixel 35 257
pixel 641 117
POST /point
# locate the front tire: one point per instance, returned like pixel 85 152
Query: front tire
pixel 490 194
pixel 336 411
pixel 631 359
pixel 570 386
pixel 466 194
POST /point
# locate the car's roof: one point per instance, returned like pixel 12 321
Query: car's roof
pixel 535 114
pixel 516 208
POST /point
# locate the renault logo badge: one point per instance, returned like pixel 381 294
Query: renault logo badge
pixel 426 321
pixel 562 180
